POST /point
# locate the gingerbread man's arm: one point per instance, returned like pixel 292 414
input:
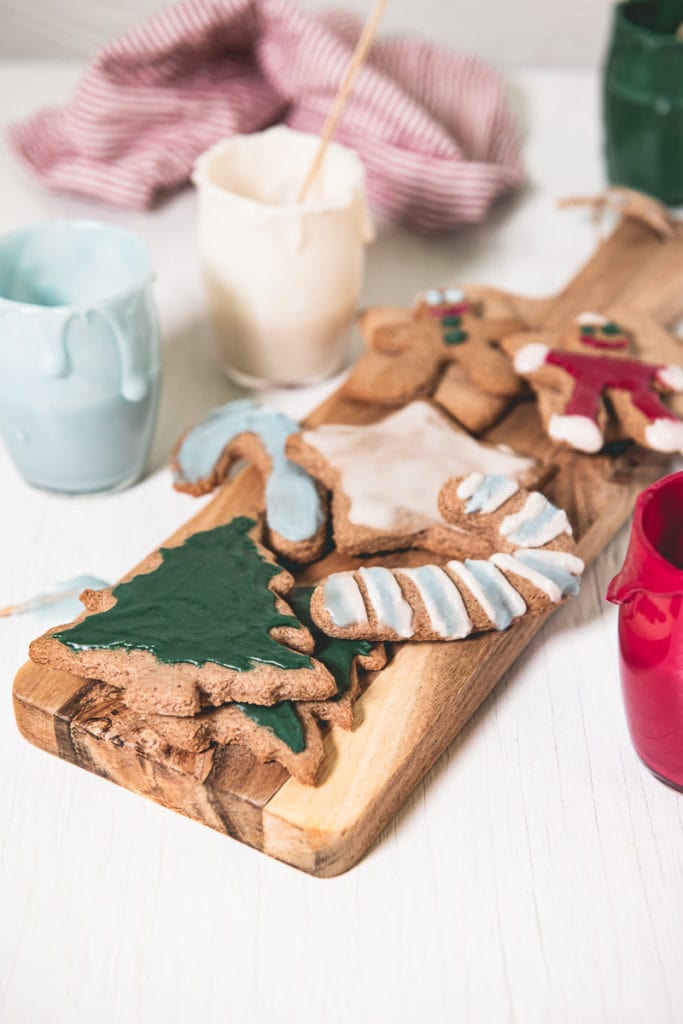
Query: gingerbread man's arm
pixel 485 363
pixel 386 327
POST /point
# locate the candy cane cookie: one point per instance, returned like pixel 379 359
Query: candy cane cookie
pixel 533 564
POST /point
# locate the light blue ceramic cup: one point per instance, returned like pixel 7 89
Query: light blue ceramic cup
pixel 79 355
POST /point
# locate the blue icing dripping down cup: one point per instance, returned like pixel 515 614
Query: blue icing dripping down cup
pixel 79 355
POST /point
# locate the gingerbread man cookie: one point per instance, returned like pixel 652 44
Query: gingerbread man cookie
pixel 447 347
pixel 531 564
pixel 385 478
pixel 597 367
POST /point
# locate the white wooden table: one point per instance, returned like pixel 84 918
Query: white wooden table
pixel 535 876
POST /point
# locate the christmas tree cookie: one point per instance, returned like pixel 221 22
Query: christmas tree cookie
pixel 286 732
pixel 198 625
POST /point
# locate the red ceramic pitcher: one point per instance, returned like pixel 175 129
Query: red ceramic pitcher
pixel 649 590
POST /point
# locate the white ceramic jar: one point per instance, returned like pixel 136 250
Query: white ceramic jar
pixel 282 278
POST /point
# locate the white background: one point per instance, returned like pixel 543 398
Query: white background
pixel 547 33
pixel 535 877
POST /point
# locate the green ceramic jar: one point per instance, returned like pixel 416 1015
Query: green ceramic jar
pixel 643 99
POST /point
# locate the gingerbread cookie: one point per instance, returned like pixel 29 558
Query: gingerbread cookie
pixel 446 347
pixel 531 564
pixel 199 624
pixel 594 370
pixel 385 478
pixel 295 510
pixel 286 732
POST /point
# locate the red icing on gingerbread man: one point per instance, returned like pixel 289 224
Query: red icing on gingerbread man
pixel 573 381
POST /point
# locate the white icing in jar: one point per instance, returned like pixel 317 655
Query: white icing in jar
pixel 282 278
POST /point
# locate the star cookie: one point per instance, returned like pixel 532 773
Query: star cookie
pixel 385 478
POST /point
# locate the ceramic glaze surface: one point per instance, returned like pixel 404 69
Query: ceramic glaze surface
pixel 649 590
pixel 79 355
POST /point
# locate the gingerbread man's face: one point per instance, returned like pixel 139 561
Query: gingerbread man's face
pixel 451 310
pixel 592 333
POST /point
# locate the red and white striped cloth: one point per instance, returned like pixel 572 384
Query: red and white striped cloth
pixel 432 127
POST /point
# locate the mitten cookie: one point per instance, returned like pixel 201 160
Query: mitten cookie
pixel 385 478
pixel 199 624
pixel 295 510
pixel 409 351
pixel 596 366
pixel 531 564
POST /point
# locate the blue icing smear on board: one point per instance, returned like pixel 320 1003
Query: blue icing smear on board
pixel 293 506
pixel 566 581
pixel 61 603
pixel 491 485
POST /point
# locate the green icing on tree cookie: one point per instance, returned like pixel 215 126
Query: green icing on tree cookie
pixel 208 601
pixel 336 655
pixel 281 719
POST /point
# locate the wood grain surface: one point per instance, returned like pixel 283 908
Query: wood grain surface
pixel 413 708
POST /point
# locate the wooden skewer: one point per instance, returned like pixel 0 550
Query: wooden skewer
pixel 357 60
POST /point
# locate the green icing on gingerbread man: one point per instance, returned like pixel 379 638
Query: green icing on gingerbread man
pixel 207 601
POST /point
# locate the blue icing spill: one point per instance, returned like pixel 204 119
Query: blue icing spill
pixel 486 490
pixel 566 581
pixel 292 501
pixel 61 603
pixel 489 579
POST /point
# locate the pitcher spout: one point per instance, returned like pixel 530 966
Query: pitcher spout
pixel 654 559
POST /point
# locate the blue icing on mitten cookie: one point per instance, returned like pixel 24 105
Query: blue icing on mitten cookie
pixel 293 505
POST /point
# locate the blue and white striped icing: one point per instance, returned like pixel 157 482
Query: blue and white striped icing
pixel 442 601
pixel 293 507
pixel 384 594
pixel 343 600
pixel 499 599
pixel 440 593
pixel 536 523
pixel 486 493
pixel 559 568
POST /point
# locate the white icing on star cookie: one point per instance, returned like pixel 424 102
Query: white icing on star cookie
pixel 392 471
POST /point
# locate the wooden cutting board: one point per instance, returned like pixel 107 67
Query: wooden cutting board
pixel 418 703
